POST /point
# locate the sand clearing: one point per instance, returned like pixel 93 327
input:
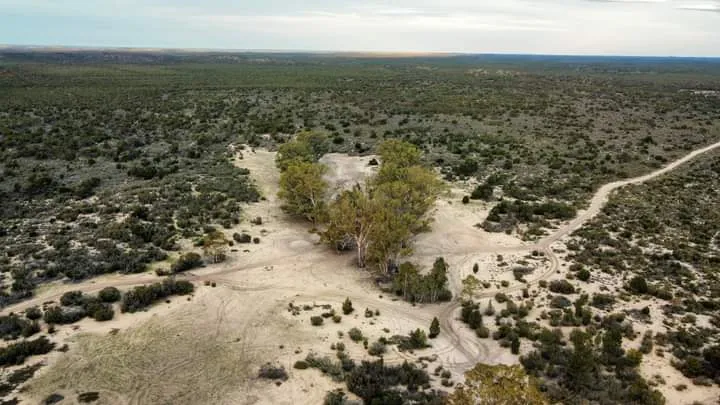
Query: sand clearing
pixel 208 349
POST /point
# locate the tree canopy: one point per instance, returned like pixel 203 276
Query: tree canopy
pixel 497 385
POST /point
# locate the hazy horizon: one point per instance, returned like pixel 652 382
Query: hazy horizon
pixel 683 28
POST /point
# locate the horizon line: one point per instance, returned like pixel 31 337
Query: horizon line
pixel 359 53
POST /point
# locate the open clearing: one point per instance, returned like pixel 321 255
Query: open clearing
pixel 208 349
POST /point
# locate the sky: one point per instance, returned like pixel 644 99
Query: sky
pixel 568 27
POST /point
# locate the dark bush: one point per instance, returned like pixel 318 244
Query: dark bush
pixel 300 365
pixel 143 296
pixel 347 307
pixel 72 298
pixel 242 238
pixel 103 312
pixel 638 285
pixel 16 353
pixel 355 334
pixel 187 261
pixel 109 294
pixel 33 313
pixel 561 287
pixel 12 327
pixel 59 315
pixel 270 372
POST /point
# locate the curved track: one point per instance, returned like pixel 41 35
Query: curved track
pixel 448 320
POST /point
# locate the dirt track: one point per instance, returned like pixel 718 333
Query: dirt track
pixel 290 266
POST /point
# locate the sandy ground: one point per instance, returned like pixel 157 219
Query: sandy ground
pixel 208 349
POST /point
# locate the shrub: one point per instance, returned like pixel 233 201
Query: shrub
pixel 377 349
pixel 355 334
pixel 143 296
pixel 33 313
pixel 109 294
pixel 583 275
pixel 347 307
pixel 327 366
pixel 270 372
pixel 72 298
pixel 187 261
pixel 562 287
pixel 482 332
pixel 466 200
pixel 300 365
pixel 335 397
pixel 256 240
pixel 16 353
pixel 560 302
pixel 103 312
pixel 602 301
pixel 242 238
pixel 337 318
pixel 434 328
pixel 58 315
pixel 638 285
pixel 316 320
pixel 515 345
pixel 12 326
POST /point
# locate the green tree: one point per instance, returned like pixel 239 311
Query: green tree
pixel 612 346
pixel 303 190
pixel 581 364
pixel 434 328
pixel 215 246
pixel 307 147
pixel 350 220
pixel 638 285
pixel 347 307
pixel 515 345
pixel 400 153
pixel 497 385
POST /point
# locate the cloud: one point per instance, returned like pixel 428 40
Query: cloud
pixel 712 7
pixel 646 27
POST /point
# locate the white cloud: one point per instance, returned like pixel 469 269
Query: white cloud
pixel 664 27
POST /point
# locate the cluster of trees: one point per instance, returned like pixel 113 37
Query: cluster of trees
pixel 507 214
pixel 596 368
pixel 302 187
pixel 142 297
pixel 75 306
pixel 377 218
pixel 13 326
pixel 415 287
pixel 699 363
pixel 500 384
pixel 16 353
pixel 377 383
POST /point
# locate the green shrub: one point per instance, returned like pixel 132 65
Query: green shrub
pixel 562 287
pixel 16 353
pixel 377 349
pixel 187 261
pixel 141 297
pixel 347 307
pixel 300 365
pixel 316 320
pixel 355 334
pixel 109 294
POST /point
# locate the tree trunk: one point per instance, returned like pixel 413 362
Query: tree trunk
pixel 361 254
